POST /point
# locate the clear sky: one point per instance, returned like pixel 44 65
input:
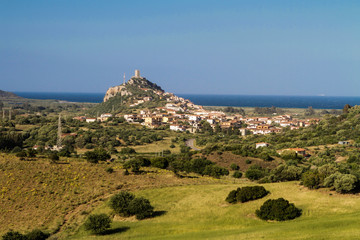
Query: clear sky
pixel 269 47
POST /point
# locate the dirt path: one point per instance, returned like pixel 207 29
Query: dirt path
pixel 190 143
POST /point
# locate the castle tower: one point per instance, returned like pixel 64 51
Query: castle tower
pixel 137 73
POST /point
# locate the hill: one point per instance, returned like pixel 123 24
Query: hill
pixel 136 93
pixel 8 95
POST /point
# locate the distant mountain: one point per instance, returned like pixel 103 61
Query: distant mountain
pixel 8 95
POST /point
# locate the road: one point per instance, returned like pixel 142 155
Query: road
pixel 190 143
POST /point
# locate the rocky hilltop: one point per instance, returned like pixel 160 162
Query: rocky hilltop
pixel 139 93
pixel 127 89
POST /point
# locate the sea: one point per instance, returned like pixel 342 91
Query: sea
pixel 317 102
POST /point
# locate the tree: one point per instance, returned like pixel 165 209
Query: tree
pixel 97 155
pixel 346 108
pixel 311 179
pixel 141 208
pixel 120 203
pixel 345 183
pixel 37 234
pixel 278 209
pixel 97 223
pixel 309 112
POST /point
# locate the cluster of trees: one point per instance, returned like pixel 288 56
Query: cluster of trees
pixel 178 163
pixel 126 204
pixel 278 209
pixel 268 110
pixel 240 111
pixel 246 194
pixel 10 140
pixel 99 154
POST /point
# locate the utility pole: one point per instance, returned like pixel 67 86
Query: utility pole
pixel 124 78
pixel 59 134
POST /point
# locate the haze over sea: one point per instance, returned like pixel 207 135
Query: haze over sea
pixel 320 102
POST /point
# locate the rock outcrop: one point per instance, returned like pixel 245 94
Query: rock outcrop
pixel 126 89
pixel 113 91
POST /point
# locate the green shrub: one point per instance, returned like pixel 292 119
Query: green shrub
pixel 159 162
pixel 97 155
pixel 141 208
pixel 11 235
pixel 120 203
pixel 127 150
pixel 237 174
pixel 215 171
pixel 37 234
pixel 255 173
pixel 248 161
pixel 109 170
pixel 234 167
pixel 278 209
pixel 97 223
pixel 246 194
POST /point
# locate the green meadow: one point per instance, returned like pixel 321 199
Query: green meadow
pixel 200 212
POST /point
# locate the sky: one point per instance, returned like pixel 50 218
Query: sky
pixel 254 47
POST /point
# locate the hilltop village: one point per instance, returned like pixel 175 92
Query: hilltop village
pixel 182 115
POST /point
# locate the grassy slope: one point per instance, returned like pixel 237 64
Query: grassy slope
pixel 200 212
pixel 37 194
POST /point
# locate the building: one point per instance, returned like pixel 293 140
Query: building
pixel 90 120
pixel 262 144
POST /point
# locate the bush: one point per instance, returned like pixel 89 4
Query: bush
pixel 109 170
pixel 246 194
pixel 237 174
pixel 97 223
pixel 37 234
pixel 248 161
pixel 255 173
pixel 141 208
pixel 11 235
pixel 54 156
pixel 120 203
pixel 234 167
pixel 159 162
pixel 278 209
pixel 97 155
pixel 127 150
pixel 215 171
pixel 21 154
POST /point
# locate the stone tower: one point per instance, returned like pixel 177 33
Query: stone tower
pixel 137 73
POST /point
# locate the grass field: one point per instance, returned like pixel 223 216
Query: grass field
pixel 52 197
pixel 200 212
pixel 157 147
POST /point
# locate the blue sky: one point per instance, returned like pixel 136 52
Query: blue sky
pixel 202 47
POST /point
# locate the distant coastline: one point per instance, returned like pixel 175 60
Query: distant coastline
pixel 318 102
